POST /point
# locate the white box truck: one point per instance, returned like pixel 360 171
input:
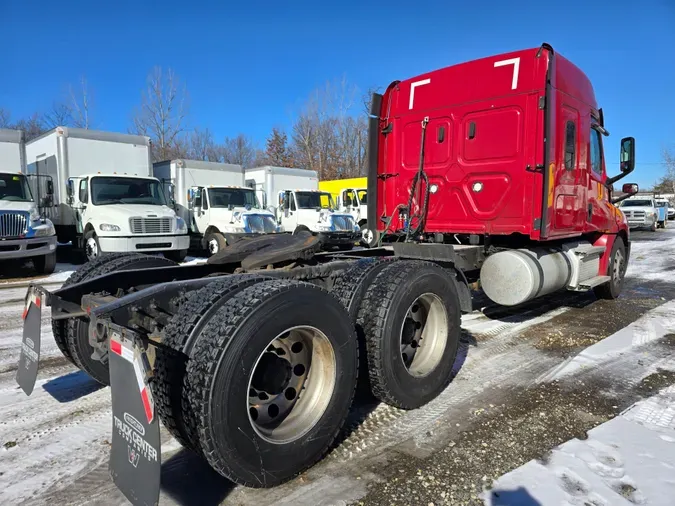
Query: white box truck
pixel 299 205
pixel 104 197
pixel 212 199
pixel 24 233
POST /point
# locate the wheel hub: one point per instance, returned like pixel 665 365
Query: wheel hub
pixel 424 334
pixel 291 384
pixel 272 374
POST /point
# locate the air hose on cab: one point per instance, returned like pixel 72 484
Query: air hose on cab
pixel 419 176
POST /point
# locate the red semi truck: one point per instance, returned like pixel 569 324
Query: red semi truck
pixel 491 170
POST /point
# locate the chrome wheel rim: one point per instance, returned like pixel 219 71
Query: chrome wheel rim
pixel 291 384
pixel 91 248
pixel 424 335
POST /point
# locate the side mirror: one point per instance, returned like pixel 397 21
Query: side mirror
pixel 83 195
pixel 628 189
pixel 69 188
pixel 287 201
pixel 627 155
pixel 50 187
pixel 348 202
pixel 47 201
pixel 631 188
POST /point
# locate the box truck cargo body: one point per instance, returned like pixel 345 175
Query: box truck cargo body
pixel 104 196
pixel 212 199
pixel 24 233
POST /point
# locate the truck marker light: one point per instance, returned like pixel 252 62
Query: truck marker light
pixel 433 188
pixel 477 187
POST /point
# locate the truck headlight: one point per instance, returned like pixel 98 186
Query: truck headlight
pixel 181 226
pixel 109 227
pixel 44 230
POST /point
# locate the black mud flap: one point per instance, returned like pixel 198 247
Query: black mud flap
pixel 135 459
pixel 30 345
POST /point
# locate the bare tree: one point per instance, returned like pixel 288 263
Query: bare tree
pixel 80 105
pixel 202 147
pixel 59 115
pixel 240 150
pixel 328 136
pixel 5 118
pixel 162 113
pixel 33 126
pixel 669 161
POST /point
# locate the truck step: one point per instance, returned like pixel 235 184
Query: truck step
pixel 590 250
pixel 590 283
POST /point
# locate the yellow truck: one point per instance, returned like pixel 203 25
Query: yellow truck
pixel 350 196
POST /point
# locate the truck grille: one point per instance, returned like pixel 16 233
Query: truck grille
pixel 151 225
pixel 257 224
pixel 343 223
pixel 13 224
pixel 635 214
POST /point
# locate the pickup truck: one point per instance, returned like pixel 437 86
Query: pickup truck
pixel 641 212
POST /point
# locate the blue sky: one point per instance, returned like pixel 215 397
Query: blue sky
pixel 249 65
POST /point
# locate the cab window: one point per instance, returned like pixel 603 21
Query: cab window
pixel 570 145
pixel 596 152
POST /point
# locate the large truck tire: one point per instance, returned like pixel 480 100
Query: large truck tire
pixel 60 327
pixel 172 359
pixel 410 317
pixel 74 331
pixel 616 270
pixel 349 288
pixel 45 264
pixel 271 380
pixel 215 242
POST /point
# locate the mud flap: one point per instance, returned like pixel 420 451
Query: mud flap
pixel 135 458
pixel 30 344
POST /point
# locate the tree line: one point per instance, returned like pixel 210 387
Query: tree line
pixel 328 133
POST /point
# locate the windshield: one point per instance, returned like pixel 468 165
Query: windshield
pixel 235 197
pixel 636 203
pixel 14 187
pixel 363 196
pixel 126 190
pixel 314 200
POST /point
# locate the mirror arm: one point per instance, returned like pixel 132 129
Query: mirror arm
pixel 623 197
pixel 611 180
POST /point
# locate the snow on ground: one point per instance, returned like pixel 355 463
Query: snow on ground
pixel 54 445
pixel 627 460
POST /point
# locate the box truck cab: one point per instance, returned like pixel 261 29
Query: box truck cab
pixel 103 197
pixel 293 195
pixel 126 213
pixel 212 199
pixel 314 211
pixel 24 233
pixel 350 196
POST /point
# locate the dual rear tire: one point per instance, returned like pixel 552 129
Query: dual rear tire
pixel 278 361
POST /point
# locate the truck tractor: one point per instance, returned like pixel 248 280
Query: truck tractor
pixel 24 232
pixel 489 170
pixel 212 199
